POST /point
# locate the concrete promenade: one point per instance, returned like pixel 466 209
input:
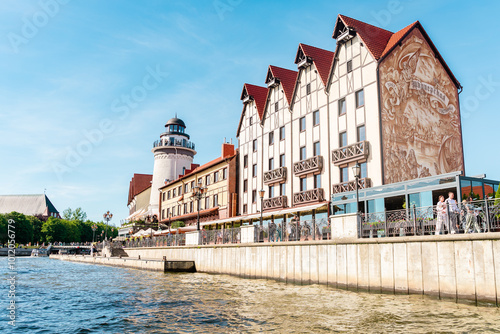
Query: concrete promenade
pixel 460 267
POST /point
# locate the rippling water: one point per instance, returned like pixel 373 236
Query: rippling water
pixel 63 297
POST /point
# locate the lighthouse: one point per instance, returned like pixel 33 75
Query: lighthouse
pixel 173 154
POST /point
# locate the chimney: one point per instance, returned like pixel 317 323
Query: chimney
pixel 227 150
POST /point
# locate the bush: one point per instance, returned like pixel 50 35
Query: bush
pixel 177 224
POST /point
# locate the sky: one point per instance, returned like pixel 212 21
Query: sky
pixel 86 87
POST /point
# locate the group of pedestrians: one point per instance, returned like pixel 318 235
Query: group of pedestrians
pixel 449 215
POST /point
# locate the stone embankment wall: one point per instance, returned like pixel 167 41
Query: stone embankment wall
pixel 462 267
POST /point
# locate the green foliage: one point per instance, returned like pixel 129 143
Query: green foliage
pixel 177 224
pixel 497 201
pixel 22 227
pixel 78 214
pixel 3 229
pixel 37 228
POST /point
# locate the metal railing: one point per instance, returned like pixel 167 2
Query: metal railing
pixel 159 241
pixel 174 143
pixel 308 196
pixel 275 202
pixel 363 183
pixel 305 230
pixel 350 153
pixel 477 216
pixel 311 165
pixel 221 236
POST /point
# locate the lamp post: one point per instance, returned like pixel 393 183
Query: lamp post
pixel 107 217
pixel 357 171
pixel 94 227
pixel 261 194
pixel 198 192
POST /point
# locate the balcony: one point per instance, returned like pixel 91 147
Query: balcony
pixel 308 196
pixel 351 185
pixel 311 165
pixel 275 203
pixel 275 175
pixel 354 152
pixel 174 143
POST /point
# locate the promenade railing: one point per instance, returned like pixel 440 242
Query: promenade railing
pixel 305 230
pixel 221 236
pixel 158 241
pixel 476 216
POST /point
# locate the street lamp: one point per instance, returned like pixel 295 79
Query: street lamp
pixel 357 172
pixel 261 194
pixel 198 192
pixel 94 227
pixel 107 217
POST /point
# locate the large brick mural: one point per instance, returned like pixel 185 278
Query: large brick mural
pixel 421 132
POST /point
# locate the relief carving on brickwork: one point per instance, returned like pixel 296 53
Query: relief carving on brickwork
pixel 420 114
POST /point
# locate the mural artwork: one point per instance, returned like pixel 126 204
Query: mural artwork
pixel 420 115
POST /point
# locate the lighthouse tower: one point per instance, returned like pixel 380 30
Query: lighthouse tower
pixel 173 154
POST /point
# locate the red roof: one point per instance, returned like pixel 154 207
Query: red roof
pixel 375 38
pixel 321 58
pixel 287 79
pixel 395 38
pixel 259 94
pixel 138 184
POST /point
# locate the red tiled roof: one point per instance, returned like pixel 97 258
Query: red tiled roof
pixel 287 78
pixel 321 58
pixel 375 38
pixel 259 95
pixel 395 38
pixel 138 184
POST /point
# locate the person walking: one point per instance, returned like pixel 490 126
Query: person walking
pixel 453 212
pixel 442 214
pixel 470 216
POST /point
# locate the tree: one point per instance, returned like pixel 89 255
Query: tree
pixel 178 223
pixel 78 214
pixel 22 227
pixel 53 230
pixel 37 228
pixel 3 229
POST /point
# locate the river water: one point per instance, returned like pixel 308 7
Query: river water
pixel 53 296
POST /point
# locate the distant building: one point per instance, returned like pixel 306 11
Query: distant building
pixel 31 205
pixel 139 194
pixel 177 202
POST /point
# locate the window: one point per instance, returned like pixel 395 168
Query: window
pixel 302 124
pixel 316 149
pixel 271 191
pixel 216 200
pixel 207 202
pixel 216 177
pixel 349 66
pixel 302 154
pixel 254 170
pixel 282 160
pixel 254 196
pixel 344 174
pixel 185 208
pixel 179 210
pixel 191 206
pixel 250 121
pixel 173 211
pixel 276 106
pixel 303 184
pixel 342 107
pixel 207 180
pixel 224 173
pixel 186 188
pixel 360 98
pixel 245 161
pixel 192 185
pixel 271 138
pixel 361 133
pixel 342 139
pixel 282 133
pixel 245 186
pixel 168 194
pixel 254 145
pixel 364 170
pixel 174 193
pixel 163 196
pixel 162 213
pixel 316 118
pixel 168 212
pixel 180 190
pixel 308 89
pixel 317 181
pixel 271 163
pixel 245 208
pixel 282 189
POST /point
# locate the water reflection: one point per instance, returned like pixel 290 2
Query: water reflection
pixel 63 297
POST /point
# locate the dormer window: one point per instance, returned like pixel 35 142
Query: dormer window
pixel 273 82
pixel 247 99
pixel 304 62
pixel 345 35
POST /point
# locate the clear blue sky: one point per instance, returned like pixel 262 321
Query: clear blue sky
pixel 65 70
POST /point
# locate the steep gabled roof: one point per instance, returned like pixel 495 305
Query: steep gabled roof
pixel 397 37
pixel 138 184
pixel 31 205
pixel 374 38
pixel 287 78
pixel 259 95
pixel 322 59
